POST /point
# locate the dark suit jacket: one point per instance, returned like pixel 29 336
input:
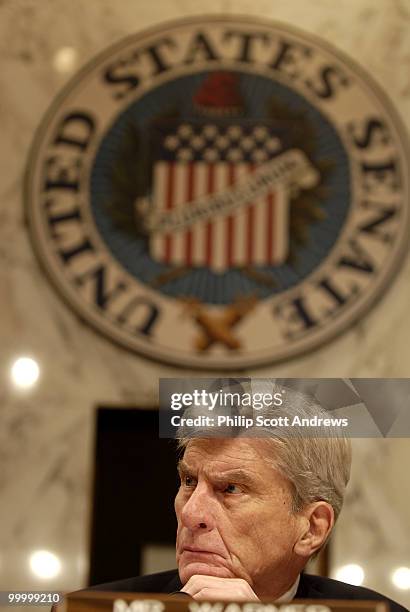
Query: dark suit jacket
pixel 310 587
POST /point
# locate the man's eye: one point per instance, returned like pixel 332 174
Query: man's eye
pixel 231 488
pixel 188 481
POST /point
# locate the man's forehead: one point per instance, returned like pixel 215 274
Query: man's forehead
pixel 224 455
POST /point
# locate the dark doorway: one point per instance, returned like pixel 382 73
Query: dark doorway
pixel 135 482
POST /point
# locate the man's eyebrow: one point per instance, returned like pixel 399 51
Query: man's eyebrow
pixel 182 467
pixel 237 475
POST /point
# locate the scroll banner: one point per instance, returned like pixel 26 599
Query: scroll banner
pixel 292 169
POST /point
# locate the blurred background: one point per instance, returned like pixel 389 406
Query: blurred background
pixel 81 466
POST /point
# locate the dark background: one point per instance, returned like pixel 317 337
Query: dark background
pixel 135 482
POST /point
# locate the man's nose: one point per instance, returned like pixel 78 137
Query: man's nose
pixel 197 513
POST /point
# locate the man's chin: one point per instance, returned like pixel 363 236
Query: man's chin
pixel 197 568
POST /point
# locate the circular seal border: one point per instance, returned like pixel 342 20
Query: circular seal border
pixel 263 358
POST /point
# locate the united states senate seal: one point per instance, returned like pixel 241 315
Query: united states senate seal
pixel 220 192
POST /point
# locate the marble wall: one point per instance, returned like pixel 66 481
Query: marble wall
pixel 46 433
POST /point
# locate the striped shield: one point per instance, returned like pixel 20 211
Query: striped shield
pixel 198 160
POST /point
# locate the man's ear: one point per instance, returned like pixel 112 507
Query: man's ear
pixel 317 521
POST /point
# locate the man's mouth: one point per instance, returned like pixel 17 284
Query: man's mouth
pixel 199 551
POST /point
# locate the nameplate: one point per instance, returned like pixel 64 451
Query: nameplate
pixel 104 601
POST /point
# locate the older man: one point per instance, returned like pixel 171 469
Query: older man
pixel 239 535
pixel 252 509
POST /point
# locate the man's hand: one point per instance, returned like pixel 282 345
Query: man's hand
pixel 211 587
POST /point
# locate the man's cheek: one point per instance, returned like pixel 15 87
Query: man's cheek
pixel 178 505
pixel 179 534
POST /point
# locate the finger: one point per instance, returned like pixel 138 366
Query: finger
pixel 199 581
pixel 215 580
pixel 208 593
pixel 220 594
pixel 225 588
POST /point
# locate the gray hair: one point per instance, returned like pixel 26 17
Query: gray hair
pixel 316 461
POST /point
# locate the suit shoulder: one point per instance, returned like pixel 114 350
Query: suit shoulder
pixel 334 589
pixel 161 582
